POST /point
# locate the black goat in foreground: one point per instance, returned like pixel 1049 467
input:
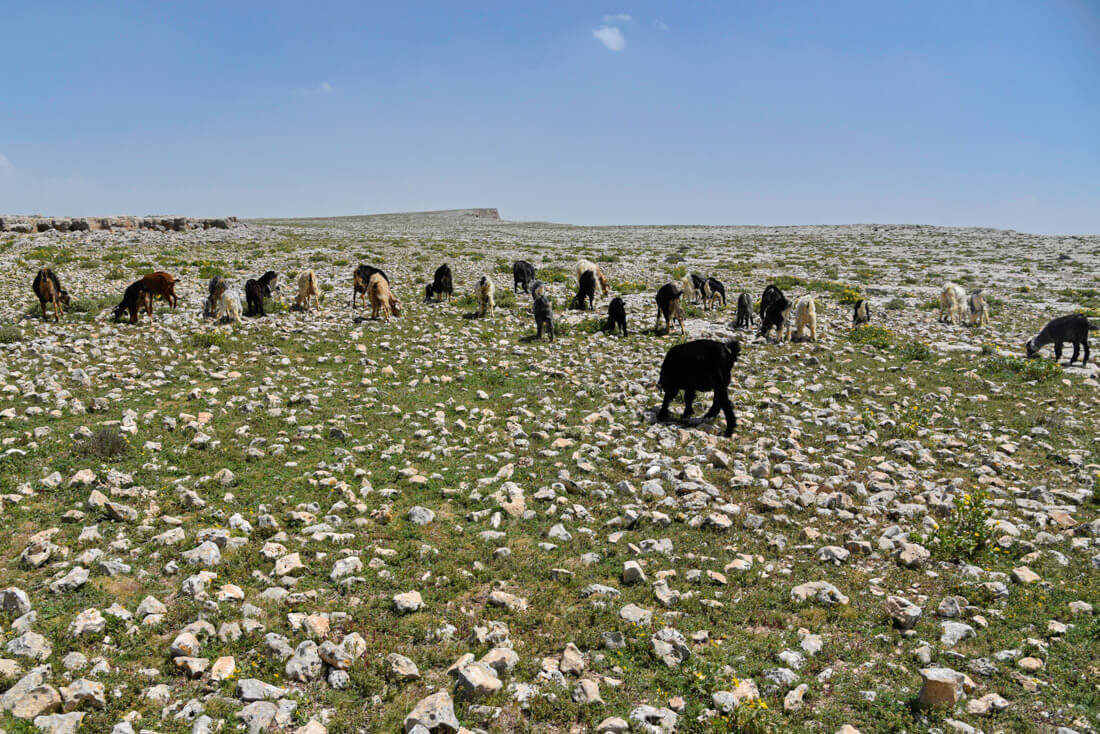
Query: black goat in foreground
pixel 1074 329
pixel 703 365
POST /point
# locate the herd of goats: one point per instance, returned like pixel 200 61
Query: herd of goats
pixel 702 365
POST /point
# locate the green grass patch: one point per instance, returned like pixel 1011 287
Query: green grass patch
pixel 1020 369
pixel 876 336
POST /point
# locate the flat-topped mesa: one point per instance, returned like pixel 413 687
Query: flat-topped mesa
pixel 32 224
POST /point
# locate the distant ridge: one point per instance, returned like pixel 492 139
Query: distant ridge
pixel 438 216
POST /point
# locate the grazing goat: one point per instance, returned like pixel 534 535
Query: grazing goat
pixel 227 306
pixel 483 293
pixel 586 291
pixel 538 288
pixel 523 274
pixel 774 315
pixel 382 298
pixel 616 316
pixel 668 307
pixel 714 289
pixel 359 281
pixel 544 317
pixel 770 296
pixel 254 298
pixel 308 291
pixel 215 288
pixel 442 284
pixel 861 314
pixel 584 266
pixel 805 318
pixel 47 286
pixel 1074 329
pixel 693 287
pixel 703 365
pixel 952 298
pixel 744 311
pixel 162 284
pixel 256 290
pixel 137 296
pixel 979 309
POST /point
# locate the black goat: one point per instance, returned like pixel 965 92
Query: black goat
pixel 523 273
pixel 138 295
pixel 703 365
pixel 544 317
pixel 442 284
pixel 1074 329
pixel 616 315
pixel 256 290
pixel 771 294
pixel 774 316
pixel 744 311
pixel 586 291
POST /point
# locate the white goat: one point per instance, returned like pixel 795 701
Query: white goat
pixel 308 291
pixel 952 298
pixel 483 292
pixel 227 306
pixel 805 318
pixel 979 309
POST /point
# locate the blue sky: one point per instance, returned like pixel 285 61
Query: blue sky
pixel 793 112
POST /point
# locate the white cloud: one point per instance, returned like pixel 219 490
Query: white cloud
pixel 617 18
pixel 660 25
pixel 610 36
pixel 325 88
pixel 6 167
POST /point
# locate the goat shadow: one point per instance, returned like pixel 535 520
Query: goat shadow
pixel 692 422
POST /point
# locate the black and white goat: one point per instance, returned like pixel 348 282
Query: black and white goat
pixel 861 314
pixel 713 290
pixel 442 284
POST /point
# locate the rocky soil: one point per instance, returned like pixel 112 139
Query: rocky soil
pixel 316 522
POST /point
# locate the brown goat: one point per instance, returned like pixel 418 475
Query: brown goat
pixel 162 284
pixel 382 298
pixel 48 288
